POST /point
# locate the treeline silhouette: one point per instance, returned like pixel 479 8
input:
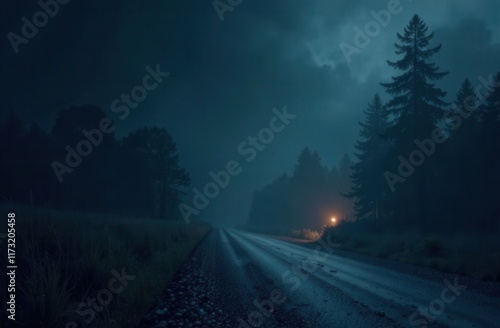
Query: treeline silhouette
pixel 81 165
pixel 420 162
pixel 309 198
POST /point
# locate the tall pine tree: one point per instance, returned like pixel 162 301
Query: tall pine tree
pixel 308 188
pixel 488 173
pixel 456 160
pixel 414 109
pixel 369 186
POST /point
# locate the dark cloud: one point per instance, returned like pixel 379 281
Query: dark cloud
pixel 227 76
pixel 468 51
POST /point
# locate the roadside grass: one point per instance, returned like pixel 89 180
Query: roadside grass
pixel 470 254
pixel 66 257
pixel 306 234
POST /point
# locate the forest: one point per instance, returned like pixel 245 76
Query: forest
pixel 420 162
pixel 81 165
pixel 380 198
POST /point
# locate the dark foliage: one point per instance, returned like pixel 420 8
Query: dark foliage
pixel 421 162
pixel 81 165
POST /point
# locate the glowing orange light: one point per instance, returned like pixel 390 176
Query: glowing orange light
pixel 334 220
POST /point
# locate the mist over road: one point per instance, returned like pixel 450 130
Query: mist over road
pixel 240 279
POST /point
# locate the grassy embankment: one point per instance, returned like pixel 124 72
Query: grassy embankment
pixel 64 258
pixel 471 254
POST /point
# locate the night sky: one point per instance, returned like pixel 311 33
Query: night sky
pixel 227 76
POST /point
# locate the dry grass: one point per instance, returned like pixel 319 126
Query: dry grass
pixel 307 234
pixel 65 257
